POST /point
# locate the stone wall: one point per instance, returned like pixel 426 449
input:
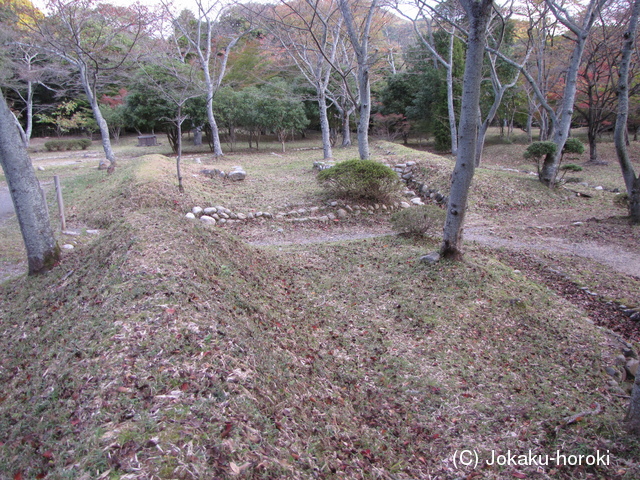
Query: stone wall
pixel 417 193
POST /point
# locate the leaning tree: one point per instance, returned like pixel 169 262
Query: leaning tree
pixel 28 198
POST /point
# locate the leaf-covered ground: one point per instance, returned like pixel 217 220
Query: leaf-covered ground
pixel 164 349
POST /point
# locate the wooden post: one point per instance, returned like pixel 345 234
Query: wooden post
pixel 63 223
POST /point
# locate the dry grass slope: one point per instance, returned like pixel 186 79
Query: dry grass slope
pixel 165 349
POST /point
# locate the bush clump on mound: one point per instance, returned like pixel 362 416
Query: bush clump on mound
pixel 362 180
pixel 420 220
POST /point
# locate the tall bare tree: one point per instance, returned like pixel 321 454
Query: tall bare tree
pixel 631 180
pixel 359 36
pixel 211 34
pixel 309 31
pixel 24 66
pixel 96 39
pixel 28 198
pixel 478 14
pixel 426 16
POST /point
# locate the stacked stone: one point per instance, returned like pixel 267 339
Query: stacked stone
pixel 236 174
pixel 421 191
pixel 322 165
pixel 332 211
pixel 220 215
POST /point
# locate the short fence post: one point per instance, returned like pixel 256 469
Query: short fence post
pixel 63 223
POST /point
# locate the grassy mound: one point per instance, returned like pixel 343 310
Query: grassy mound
pixel 169 349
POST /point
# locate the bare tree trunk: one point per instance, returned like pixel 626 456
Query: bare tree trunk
pixel 215 132
pixel 364 113
pixel 593 147
pixel 478 14
pixel 549 170
pixel 631 181
pixel 28 199
pixel 450 99
pixel 179 148
pixel 324 125
pixel 346 127
pixel 102 123
pixel 360 43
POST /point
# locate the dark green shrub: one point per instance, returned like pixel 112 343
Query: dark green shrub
pixel 569 167
pixel 420 220
pixel 540 150
pixel 70 144
pixel 362 180
pixel 573 145
pixel 52 145
pixel 84 143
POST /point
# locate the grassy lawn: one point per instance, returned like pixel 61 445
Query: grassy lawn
pixel 164 348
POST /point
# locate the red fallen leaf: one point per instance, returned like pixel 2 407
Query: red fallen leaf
pixel 366 453
pixel 75 421
pixel 226 430
pixel 519 475
pixel 170 311
pixel 48 454
pixel 41 475
pixel 17 476
pixel 184 387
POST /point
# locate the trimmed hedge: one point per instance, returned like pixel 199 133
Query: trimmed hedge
pixel 67 144
pixel 362 180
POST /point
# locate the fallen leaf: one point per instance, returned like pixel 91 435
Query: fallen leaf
pixel 17 476
pixel 519 475
pixel 226 430
pixel 235 470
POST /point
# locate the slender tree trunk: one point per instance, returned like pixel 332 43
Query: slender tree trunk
pixel 324 125
pixel 631 181
pixel 215 132
pixel 450 99
pixel 360 43
pixel 102 123
pixel 528 127
pixel 29 127
pixel 179 148
pixel 28 199
pixel 364 112
pixel 593 147
pixel 484 126
pixel 346 128
pixel 478 14
pixel 549 170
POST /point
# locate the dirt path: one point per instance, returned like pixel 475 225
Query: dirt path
pixel 613 256
pixel 518 234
